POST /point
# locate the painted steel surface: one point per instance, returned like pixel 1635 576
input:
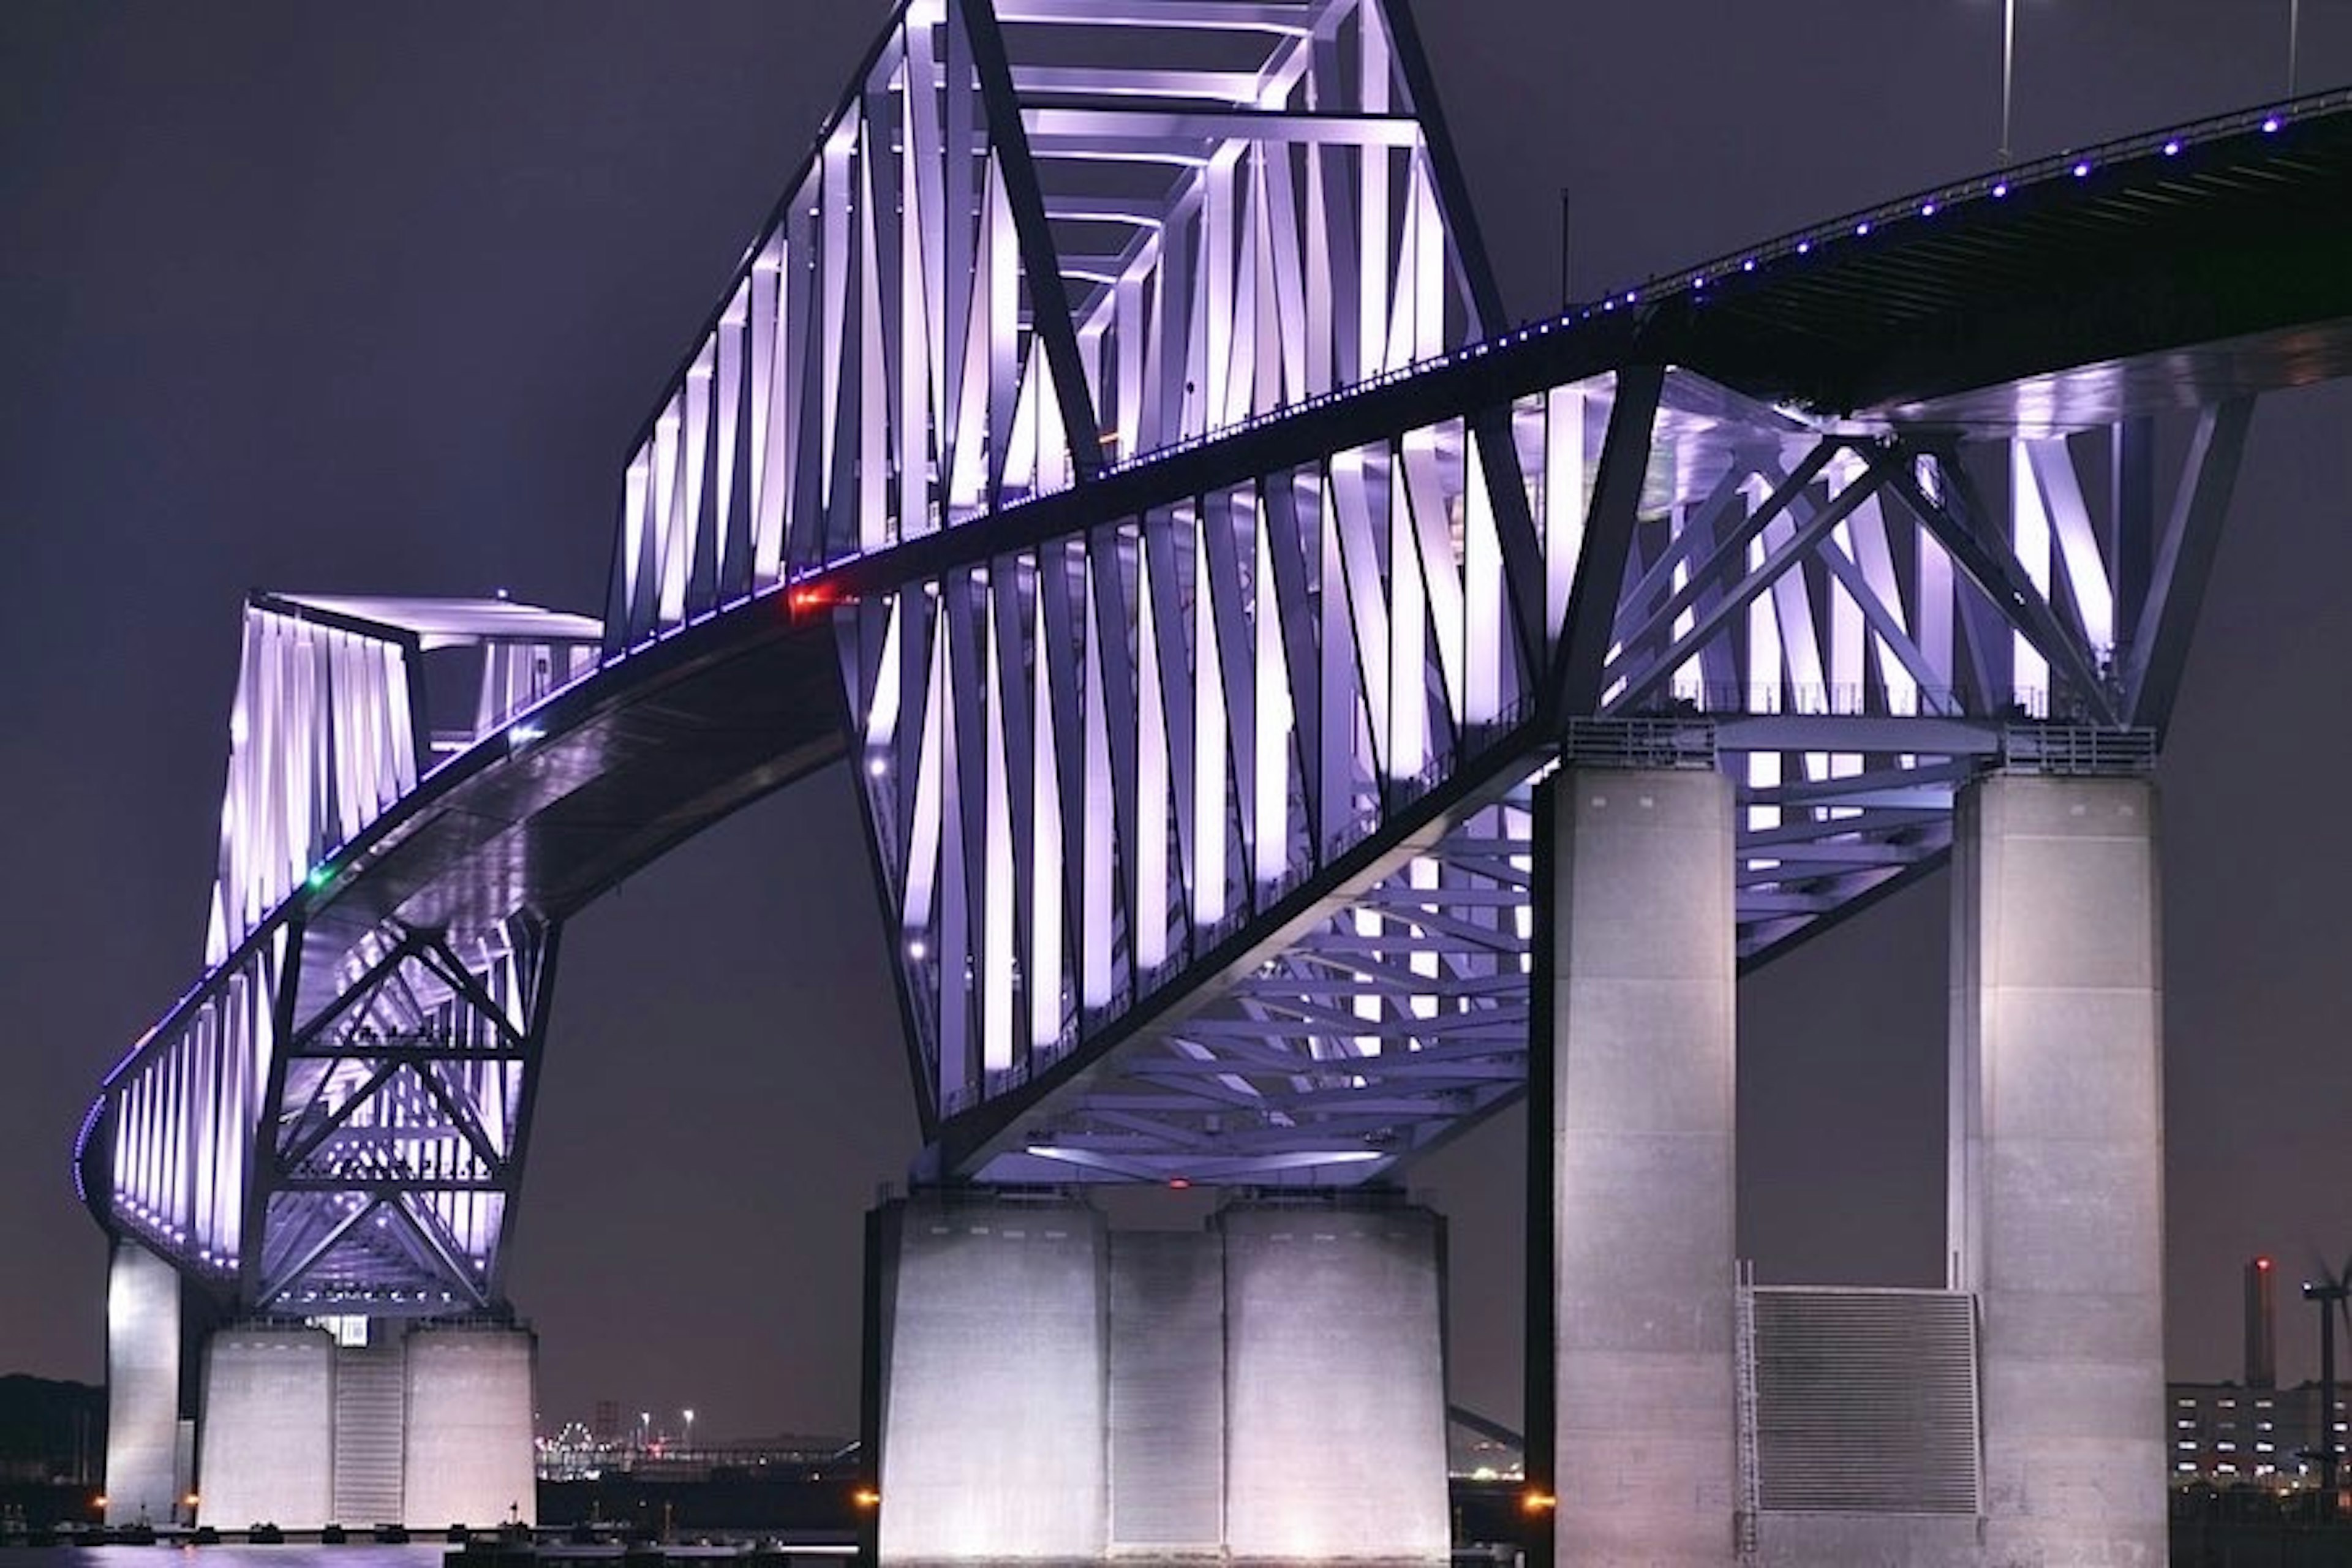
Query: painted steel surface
pixel 1131 472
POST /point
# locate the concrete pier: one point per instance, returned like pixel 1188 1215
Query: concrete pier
pixel 1335 1380
pixel 147 1469
pixel 1271 1389
pixel 992 1373
pixel 467 1453
pixel 428 1426
pixel 2057 1151
pixel 268 1453
pixel 1167 1392
pixel 1636 940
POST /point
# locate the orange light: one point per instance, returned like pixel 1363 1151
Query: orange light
pixel 1538 1502
pixel 867 1496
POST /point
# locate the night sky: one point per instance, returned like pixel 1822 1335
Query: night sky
pixel 372 299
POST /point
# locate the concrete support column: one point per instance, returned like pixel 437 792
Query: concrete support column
pixel 467 1457
pixel 991 1348
pixel 1635 1079
pixel 1167 1453
pixel 267 1453
pixel 1335 1380
pixel 145 1478
pixel 2057 1150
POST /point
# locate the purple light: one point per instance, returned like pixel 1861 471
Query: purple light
pixel 2082 170
pixel 1749 265
pixel 1804 247
pixel 2172 149
pixel 2270 125
pixel 1630 296
pixel 2002 189
pixel 1862 228
pixel 1928 210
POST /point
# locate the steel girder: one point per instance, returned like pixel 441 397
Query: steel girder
pixel 1166 806
pixel 1204 832
pixel 1018 259
pixel 1210 574
pixel 341 1126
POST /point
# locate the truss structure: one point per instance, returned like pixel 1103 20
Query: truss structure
pixel 1205 831
pixel 1018 259
pixel 1209 572
pixel 339 1124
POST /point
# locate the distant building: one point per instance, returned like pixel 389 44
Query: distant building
pixel 2232 1434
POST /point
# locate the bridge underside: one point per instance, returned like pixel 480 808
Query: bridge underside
pixel 1129 471
pixel 1132 473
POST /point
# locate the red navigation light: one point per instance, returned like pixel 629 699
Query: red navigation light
pixel 809 598
pixel 2263 1264
pixel 1179 1183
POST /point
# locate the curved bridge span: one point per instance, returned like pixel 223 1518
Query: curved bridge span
pixel 1131 473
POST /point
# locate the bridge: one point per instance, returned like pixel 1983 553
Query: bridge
pixel 1129 471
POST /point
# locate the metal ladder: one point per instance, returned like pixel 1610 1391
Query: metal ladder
pixel 1751 1483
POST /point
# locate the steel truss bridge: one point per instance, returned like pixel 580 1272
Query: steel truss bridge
pixel 1130 471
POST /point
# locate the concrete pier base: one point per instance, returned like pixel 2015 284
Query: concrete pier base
pixel 1635 944
pixel 146 1465
pixel 468 1457
pixel 268 1453
pixel 428 1426
pixel 1271 1390
pixel 1334 1382
pixel 2057 1148
pixel 1167 1440
pixel 993 1367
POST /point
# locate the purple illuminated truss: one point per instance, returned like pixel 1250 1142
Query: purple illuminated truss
pixel 1206 614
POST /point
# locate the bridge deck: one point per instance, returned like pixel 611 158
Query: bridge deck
pixel 2178 270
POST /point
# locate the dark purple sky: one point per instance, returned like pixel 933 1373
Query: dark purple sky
pixel 370 300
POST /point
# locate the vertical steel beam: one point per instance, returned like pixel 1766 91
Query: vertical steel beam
pixel 1574 686
pixel 2160 652
pixel 1049 305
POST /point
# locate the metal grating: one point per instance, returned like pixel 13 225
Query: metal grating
pixel 1866 1401
pixel 1675 741
pixel 2078 751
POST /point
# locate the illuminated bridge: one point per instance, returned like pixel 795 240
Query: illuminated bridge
pixel 1129 470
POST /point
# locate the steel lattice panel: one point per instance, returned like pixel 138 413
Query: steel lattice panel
pixel 1866 1401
